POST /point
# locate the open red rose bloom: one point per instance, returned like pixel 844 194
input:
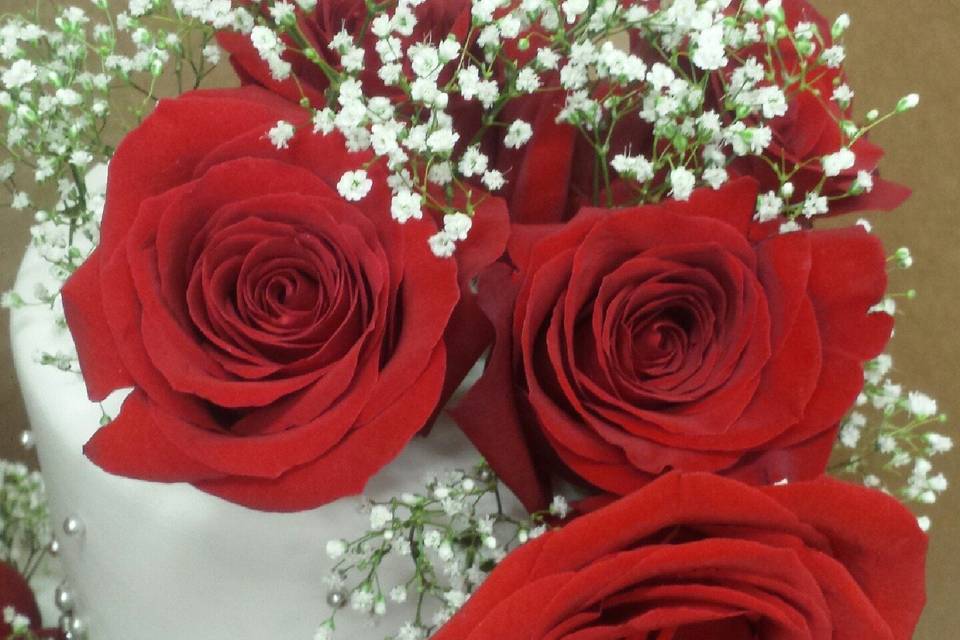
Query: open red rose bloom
pixel 268 326
pixel 698 556
pixel 641 340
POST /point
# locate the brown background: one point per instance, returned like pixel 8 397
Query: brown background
pixel 895 47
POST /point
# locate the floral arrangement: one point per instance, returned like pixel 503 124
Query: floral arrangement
pixel 613 204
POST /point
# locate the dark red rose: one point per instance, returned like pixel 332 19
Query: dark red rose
pixel 17 594
pixel 283 344
pixel 548 178
pixel 810 130
pixel 637 341
pixel 698 556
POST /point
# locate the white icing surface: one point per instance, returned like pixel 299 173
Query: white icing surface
pixel 168 562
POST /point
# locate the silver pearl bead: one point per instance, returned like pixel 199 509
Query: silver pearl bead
pixel 65 622
pixel 64 599
pixel 485 476
pixel 72 526
pixel 78 627
pixel 27 439
pixel 54 548
pixel 336 599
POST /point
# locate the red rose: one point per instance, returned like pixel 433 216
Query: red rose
pixel 699 556
pixel 17 594
pixel 283 344
pixel 811 129
pixel 637 341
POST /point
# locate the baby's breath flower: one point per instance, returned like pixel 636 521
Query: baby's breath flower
pixel 380 516
pixel 406 204
pixel 457 225
pixel 20 73
pixel 354 185
pixel 836 163
pixel 769 207
pixel 518 134
pixel 281 134
pixel 682 182
pixel 921 405
pixel 336 549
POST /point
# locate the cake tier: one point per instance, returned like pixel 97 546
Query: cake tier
pixel 166 561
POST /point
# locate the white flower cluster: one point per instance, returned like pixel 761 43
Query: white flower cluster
pixel 892 437
pixel 419 145
pixel 703 115
pixel 57 83
pixel 24 527
pixel 451 536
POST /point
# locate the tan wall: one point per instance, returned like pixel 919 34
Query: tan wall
pixel 896 46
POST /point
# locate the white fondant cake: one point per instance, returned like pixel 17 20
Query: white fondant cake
pixel 168 562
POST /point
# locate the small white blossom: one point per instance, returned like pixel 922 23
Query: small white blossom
pixel 354 186
pixel 547 58
pixel 324 121
pixel 864 182
pixel 836 163
pixel 406 204
pixel 399 594
pixel 442 246
pixel 843 94
pixel 68 97
pixel 769 207
pixel 849 435
pixel 682 182
pixel 939 443
pixel 283 12
pixel 281 134
pixel 886 444
pixel 527 80
pixel 709 50
pixel 390 73
pixel 448 49
pixel 573 9
pixel 493 180
pixel 518 134
pixel 20 201
pixel 81 158
pixel 921 405
pixel 716 177
pixel 635 167
pixel 361 600
pixel 834 56
pixel 380 516
pixel 20 73
pixel 445 551
pixel 559 507
pixel 790 226
pixel 432 539
pixel 336 549
pixel 442 140
pixel 457 225
pixel 424 60
pixel 473 162
pixel 814 204
pixel 440 173
pixel 409 631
